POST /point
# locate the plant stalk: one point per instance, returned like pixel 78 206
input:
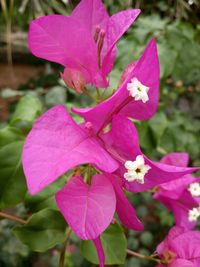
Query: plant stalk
pixel 63 249
pixel 12 218
pixel 141 256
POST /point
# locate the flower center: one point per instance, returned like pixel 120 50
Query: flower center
pixel 138 90
pixel 194 189
pixel 194 214
pixel 136 170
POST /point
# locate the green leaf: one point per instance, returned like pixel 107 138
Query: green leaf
pixel 158 124
pixel 167 58
pixel 12 181
pixel 27 110
pixel 114 245
pixel 43 231
pixel 10 134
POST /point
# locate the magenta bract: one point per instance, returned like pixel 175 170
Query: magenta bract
pixel 175 194
pixel 87 209
pixel 123 139
pixel 147 71
pixel 181 248
pixel 84 43
pixel 56 144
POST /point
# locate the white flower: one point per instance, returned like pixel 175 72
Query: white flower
pixel 194 189
pixel 194 214
pixel 138 90
pixel 136 170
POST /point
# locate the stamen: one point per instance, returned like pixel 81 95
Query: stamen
pixel 100 46
pixel 96 33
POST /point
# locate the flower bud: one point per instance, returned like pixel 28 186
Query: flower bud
pixel 74 79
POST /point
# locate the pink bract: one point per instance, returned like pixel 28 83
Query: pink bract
pixel 183 246
pixel 87 209
pixel 84 43
pixel 100 252
pixel 175 195
pixel 90 209
pixel 123 140
pixel 56 144
pixel 147 71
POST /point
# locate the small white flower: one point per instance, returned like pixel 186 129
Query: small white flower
pixel 138 90
pixel 194 214
pixel 136 170
pixel 194 189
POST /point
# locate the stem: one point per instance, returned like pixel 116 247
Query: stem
pixel 141 256
pixel 12 218
pixel 88 174
pixel 63 249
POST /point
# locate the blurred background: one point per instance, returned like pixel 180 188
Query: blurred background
pixel 29 86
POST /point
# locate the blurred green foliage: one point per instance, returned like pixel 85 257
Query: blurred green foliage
pixel 175 127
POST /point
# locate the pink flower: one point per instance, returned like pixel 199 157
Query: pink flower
pixel 84 43
pixel 137 97
pixel 181 196
pixel 180 248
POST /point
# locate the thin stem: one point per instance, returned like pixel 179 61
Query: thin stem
pixel 63 249
pixel 141 256
pixel 88 174
pixel 12 218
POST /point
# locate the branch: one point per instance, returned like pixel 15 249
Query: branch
pixel 63 249
pixel 141 256
pixel 12 218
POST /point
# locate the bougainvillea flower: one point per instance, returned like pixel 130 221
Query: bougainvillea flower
pixel 137 171
pixel 84 43
pixel 180 248
pixel 137 97
pixel 181 196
